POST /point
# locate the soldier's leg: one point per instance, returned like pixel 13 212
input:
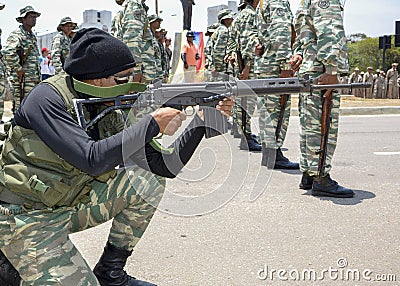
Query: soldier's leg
pixel 15 96
pixel 389 91
pixel 39 248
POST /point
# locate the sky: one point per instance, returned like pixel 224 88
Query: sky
pixel 371 17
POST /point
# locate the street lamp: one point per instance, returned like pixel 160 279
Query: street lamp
pixel 157 7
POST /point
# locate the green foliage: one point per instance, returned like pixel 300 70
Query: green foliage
pixel 365 52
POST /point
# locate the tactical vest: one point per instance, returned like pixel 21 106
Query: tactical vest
pixel 33 174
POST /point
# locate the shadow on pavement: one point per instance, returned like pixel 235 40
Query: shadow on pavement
pixel 359 197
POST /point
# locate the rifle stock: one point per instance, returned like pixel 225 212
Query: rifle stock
pixel 325 127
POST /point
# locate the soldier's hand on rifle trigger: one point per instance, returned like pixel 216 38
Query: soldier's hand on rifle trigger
pixel 295 62
pixel 168 119
pixel 259 50
pixel 225 106
pixel 20 74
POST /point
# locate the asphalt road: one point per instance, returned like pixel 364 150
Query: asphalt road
pixel 217 225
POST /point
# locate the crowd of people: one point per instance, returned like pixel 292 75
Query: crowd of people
pixel 384 85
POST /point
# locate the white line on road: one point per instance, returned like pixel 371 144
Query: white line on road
pixel 386 153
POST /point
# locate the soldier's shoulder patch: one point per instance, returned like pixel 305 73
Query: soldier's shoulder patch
pixel 324 4
pixel 280 12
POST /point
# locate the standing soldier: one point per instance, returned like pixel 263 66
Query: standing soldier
pixel 134 31
pixel 241 48
pixel 21 54
pixel 355 77
pixel 220 42
pixel 273 55
pixel 61 43
pixel 369 78
pixel 155 24
pixel 160 35
pixel 321 41
pixel 378 84
pixel 391 77
pixel 208 49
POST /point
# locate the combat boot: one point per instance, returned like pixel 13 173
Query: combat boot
pixel 282 162
pixel 306 181
pixel 9 276
pixel 250 143
pixel 326 187
pixel 110 268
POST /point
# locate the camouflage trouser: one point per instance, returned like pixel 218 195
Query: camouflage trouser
pixel 29 85
pixel 237 113
pixel 269 109
pixel 37 242
pixel 2 87
pixel 310 110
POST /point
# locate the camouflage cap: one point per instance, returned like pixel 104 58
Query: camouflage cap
pixel 225 14
pixel 211 29
pixel 64 21
pixel 24 11
pixel 2 6
pixel 154 17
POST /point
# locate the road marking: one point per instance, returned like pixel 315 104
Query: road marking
pixel 386 153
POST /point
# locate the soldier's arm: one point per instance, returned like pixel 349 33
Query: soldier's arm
pixel 10 53
pixel 232 39
pixel 56 54
pixel 331 39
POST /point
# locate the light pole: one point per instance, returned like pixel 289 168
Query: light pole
pixel 157 7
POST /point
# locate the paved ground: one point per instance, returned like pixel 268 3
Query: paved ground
pixel 231 240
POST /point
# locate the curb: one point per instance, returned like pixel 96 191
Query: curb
pixel 344 111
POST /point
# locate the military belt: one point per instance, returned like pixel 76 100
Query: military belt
pixel 9 197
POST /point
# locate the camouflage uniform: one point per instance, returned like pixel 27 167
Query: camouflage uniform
pixel 274 32
pixel 208 51
pixel 136 34
pixel 116 25
pixel 60 46
pixel 243 38
pixel 22 39
pixel 219 48
pixel 128 196
pixel 327 53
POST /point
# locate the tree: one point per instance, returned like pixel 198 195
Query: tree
pixel 365 52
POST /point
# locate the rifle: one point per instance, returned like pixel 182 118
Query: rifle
pixel 206 95
pixel 325 126
pixel 21 81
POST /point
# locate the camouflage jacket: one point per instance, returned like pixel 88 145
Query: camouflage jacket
pixel 25 41
pixel 158 57
pixel 219 48
pixel 136 34
pixel 274 22
pixel 243 36
pixel 60 50
pixel 116 25
pixel 207 52
pixel 320 37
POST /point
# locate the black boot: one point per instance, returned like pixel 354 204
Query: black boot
pixel 250 143
pixel 9 276
pixel 306 181
pixel 110 268
pixel 326 187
